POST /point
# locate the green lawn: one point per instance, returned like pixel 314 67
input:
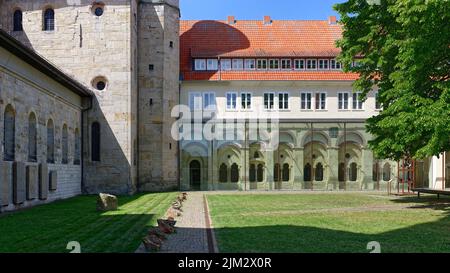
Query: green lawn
pixel 48 228
pixel 329 223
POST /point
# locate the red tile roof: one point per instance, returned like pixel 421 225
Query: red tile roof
pixel 253 39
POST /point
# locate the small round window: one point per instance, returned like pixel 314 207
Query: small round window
pixel 98 11
pixel 100 83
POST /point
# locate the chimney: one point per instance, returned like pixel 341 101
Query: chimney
pixel 267 20
pixel 332 20
pixel 231 20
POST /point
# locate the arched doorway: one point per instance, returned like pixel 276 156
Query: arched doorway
pixel 195 175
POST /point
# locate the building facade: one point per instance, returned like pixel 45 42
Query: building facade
pixel 240 75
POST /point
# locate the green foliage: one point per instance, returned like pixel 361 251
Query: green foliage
pixel 404 49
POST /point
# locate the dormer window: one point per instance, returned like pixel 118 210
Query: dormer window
pixel 335 64
pixel 212 64
pixel 200 64
pixel 286 64
pixel 323 64
pixel 249 64
pixel 261 64
pixel 225 64
pixel 311 64
pixel 299 64
pixel 238 64
pixel 274 64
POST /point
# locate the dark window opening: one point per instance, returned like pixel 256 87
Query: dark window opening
pixel 101 85
pixel 49 20
pixel 50 142
pixel 223 173
pixel 98 11
pixel 32 134
pixel 18 21
pixel 95 142
pixel 9 134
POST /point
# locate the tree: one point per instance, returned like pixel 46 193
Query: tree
pixel 403 48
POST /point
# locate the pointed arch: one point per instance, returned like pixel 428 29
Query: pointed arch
pixel 9 134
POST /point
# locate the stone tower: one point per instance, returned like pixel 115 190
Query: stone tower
pixel 158 47
pixel 127 52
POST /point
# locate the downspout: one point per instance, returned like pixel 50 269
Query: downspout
pixel 83 111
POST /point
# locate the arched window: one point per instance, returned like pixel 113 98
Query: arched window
pixel 9 134
pixel 286 172
pixel 353 173
pixel 65 145
pixel 77 153
pixel 49 20
pixel 234 173
pixel 256 155
pixel 223 173
pixel 252 171
pixel 307 172
pixel 95 142
pixel 260 173
pixel 375 172
pixel 50 142
pixel 32 134
pixel 386 172
pixel 18 21
pixel 319 172
pixel 341 172
pixel 276 172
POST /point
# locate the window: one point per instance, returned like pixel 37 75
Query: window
pixel 234 173
pixel 32 134
pixel 321 101
pixel 209 101
pixel 252 173
pixel 386 172
pixel 353 173
pixel 18 21
pixel 225 64
pixel 95 141
pixel 286 64
pixel 335 64
pixel 307 173
pixel 319 172
pixel 323 64
pixel 357 102
pixel 276 172
pixel 200 64
pixel 260 173
pixel 9 134
pixel 195 101
pixel 49 20
pixel 299 64
pixel 246 101
pixel 283 101
pixel 342 101
pixel 98 11
pixel 274 64
pixel 249 64
pixel 238 64
pixel 223 173
pixel 65 145
pixel 311 64
pixel 212 64
pixel 77 153
pixel 341 172
pixel 261 64
pixel 377 101
pixel 269 100
pixel 231 101
pixel 305 101
pixel 50 142
pixel 100 83
pixel 286 172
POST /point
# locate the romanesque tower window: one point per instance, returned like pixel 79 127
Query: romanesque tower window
pixel 49 20
pixel 17 21
pixel 95 141
pixel 9 137
pixel 65 145
pixel 77 154
pixel 32 134
pixel 50 142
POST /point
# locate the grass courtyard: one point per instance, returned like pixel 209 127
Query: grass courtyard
pixel 48 228
pixel 329 222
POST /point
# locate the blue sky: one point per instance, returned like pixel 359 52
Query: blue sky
pixel 256 9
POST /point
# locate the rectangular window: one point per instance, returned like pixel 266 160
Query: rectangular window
pixel 209 101
pixel 249 64
pixel 231 101
pixel 212 64
pixel 321 101
pixel 311 64
pixel 299 64
pixel 357 102
pixel 286 64
pixel 238 64
pixel 269 100
pixel 225 64
pixel 377 101
pixel 342 101
pixel 274 64
pixel 200 64
pixel 261 64
pixel 195 101
pixel 323 64
pixel 246 101
pixel 305 101
pixel 283 101
pixel 335 65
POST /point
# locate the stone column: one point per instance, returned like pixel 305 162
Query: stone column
pixel 333 168
pixel 245 168
pixel 269 169
pixel 366 169
pixel 297 170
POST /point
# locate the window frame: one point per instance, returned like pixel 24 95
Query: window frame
pixel 242 102
pixel 357 104
pixel 299 60
pixel 214 67
pixel 197 67
pixel 273 101
pixel 306 93
pixel 277 61
pixel 192 103
pixel 335 65
pixel 45 26
pixel 210 107
pixel 320 101
pixel 260 61
pixel 229 67
pixel 284 93
pixel 229 107
pixel 311 60
pixel 286 60
pixel 343 101
pixel 249 68
pixel 324 61
pixel 238 61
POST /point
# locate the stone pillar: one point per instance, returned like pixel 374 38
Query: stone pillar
pixel 366 171
pixel 32 182
pixel 5 179
pixel 269 169
pixel 245 179
pixel 43 181
pixel 297 170
pixel 333 168
pixel 19 183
